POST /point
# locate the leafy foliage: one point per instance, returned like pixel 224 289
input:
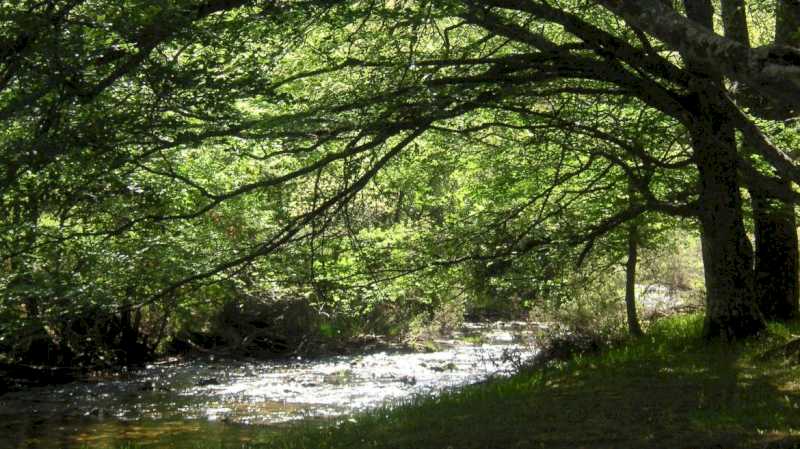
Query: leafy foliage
pixel 378 160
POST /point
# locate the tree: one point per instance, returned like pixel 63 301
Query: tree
pixel 776 254
pixel 337 91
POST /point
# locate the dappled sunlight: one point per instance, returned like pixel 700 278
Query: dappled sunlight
pixel 255 224
pixel 163 403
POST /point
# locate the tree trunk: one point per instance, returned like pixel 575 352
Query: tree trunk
pixel 731 310
pixel 630 282
pixel 776 259
pixel 787 23
pixel 776 262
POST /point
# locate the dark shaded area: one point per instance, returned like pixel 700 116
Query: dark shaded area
pixel 776 259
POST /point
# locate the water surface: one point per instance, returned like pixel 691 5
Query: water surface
pixel 224 403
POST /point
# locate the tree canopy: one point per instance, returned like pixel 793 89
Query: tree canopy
pixel 156 153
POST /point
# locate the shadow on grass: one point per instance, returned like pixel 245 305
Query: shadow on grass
pixel 667 391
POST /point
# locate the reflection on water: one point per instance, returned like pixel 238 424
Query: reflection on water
pixel 170 405
pixel 145 433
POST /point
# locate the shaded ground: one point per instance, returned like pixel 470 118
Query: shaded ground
pixel 667 391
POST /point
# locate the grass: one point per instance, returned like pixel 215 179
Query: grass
pixel 668 390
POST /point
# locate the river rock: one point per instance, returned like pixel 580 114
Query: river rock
pixel 338 377
pixel 209 381
pixel 446 367
pixel 408 380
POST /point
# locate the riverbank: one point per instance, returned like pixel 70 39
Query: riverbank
pixel 227 403
pixel 669 390
pixel 20 376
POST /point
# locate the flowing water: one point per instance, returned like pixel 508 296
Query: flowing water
pixel 171 405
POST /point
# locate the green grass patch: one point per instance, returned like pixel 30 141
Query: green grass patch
pixel 474 339
pixel 667 390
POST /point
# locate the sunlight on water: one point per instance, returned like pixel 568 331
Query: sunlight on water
pixel 163 405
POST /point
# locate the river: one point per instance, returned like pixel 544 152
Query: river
pixel 172 404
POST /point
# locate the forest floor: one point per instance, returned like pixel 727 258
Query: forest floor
pixel 667 390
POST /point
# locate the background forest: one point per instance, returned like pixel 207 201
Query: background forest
pixel 281 177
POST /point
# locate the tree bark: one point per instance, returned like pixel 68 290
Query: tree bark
pixel 787 24
pixel 776 254
pixel 634 328
pixel 731 310
pixel 776 258
pixel 734 19
pixel 772 71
